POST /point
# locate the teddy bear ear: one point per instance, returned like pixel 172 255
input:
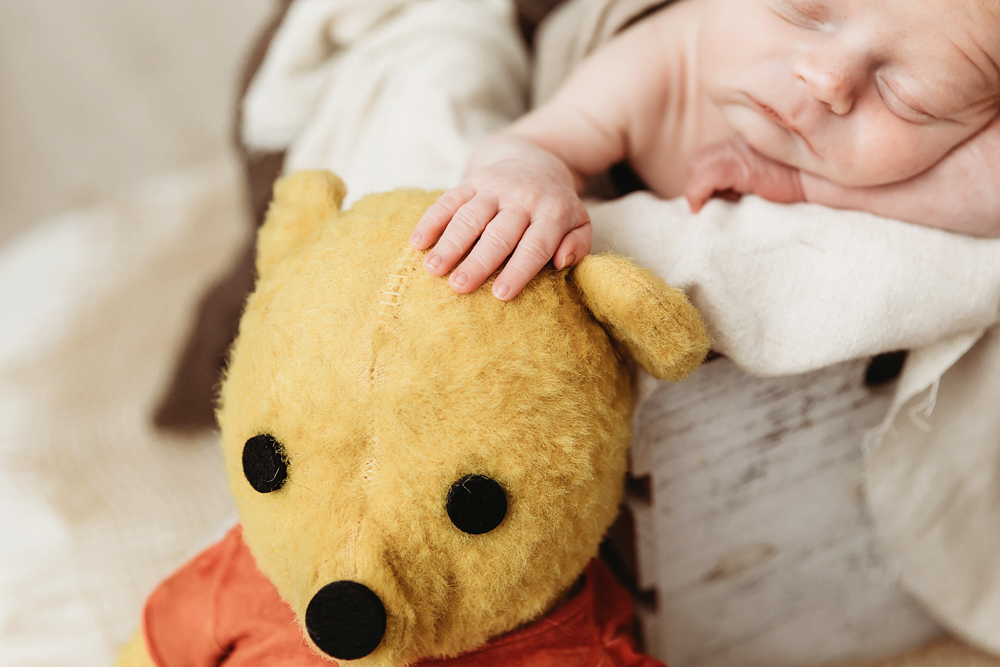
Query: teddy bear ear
pixel 659 326
pixel 302 204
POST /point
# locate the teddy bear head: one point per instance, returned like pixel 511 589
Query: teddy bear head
pixel 418 471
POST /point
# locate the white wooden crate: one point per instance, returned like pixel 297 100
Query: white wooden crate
pixel 755 537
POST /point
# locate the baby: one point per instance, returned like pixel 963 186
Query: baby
pixel 889 106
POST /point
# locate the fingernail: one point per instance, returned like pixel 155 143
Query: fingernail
pixel 570 258
pixel 434 261
pixel 416 239
pixel 460 279
pixel 501 290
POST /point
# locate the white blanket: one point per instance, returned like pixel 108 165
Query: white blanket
pixel 394 93
pixel 387 92
pixel 98 506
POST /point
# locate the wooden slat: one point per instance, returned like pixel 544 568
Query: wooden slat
pixel 756 540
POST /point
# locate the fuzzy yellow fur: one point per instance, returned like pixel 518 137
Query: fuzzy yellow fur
pixel 134 653
pixel 385 387
pixel 654 321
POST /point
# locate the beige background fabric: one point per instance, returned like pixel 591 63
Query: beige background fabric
pixel 119 203
pixel 97 506
pixel 574 30
pixel 97 95
pixel 934 486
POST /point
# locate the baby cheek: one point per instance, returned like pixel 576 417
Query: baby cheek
pixel 897 154
pixel 882 151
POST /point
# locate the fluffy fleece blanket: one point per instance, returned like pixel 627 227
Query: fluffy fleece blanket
pixel 97 505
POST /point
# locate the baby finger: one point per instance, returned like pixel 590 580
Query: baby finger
pixel 697 192
pixel 574 247
pixel 494 246
pixel 532 253
pixel 461 233
pixel 436 218
pixel 716 169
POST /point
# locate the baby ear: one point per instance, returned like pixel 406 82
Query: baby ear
pixel 656 322
pixel 302 204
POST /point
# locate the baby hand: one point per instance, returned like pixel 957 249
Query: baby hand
pixel 732 168
pixel 528 207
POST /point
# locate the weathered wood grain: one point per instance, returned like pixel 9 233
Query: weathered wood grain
pixel 756 538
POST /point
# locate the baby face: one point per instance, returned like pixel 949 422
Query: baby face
pixel 861 92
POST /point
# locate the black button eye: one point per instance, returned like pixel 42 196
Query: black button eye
pixel 265 463
pixel 476 504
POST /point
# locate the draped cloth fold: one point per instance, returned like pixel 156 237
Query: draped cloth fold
pixel 387 93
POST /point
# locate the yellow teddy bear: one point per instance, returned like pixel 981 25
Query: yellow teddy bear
pixel 419 474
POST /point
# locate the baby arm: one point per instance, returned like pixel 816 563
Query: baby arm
pixel 520 198
pixel 961 193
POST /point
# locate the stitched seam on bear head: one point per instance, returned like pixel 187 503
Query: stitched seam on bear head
pixel 390 298
pixel 386 327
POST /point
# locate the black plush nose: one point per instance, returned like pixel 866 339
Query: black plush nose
pixel 346 620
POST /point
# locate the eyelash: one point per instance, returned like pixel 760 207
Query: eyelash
pixel 909 113
pixel 805 18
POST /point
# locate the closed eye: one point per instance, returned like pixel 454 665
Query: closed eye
pixel 902 103
pixel 803 13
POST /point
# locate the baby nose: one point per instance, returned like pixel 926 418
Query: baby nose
pixel 833 79
pixel 346 620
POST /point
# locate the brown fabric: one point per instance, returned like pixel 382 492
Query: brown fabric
pixel 188 404
pixel 530 13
